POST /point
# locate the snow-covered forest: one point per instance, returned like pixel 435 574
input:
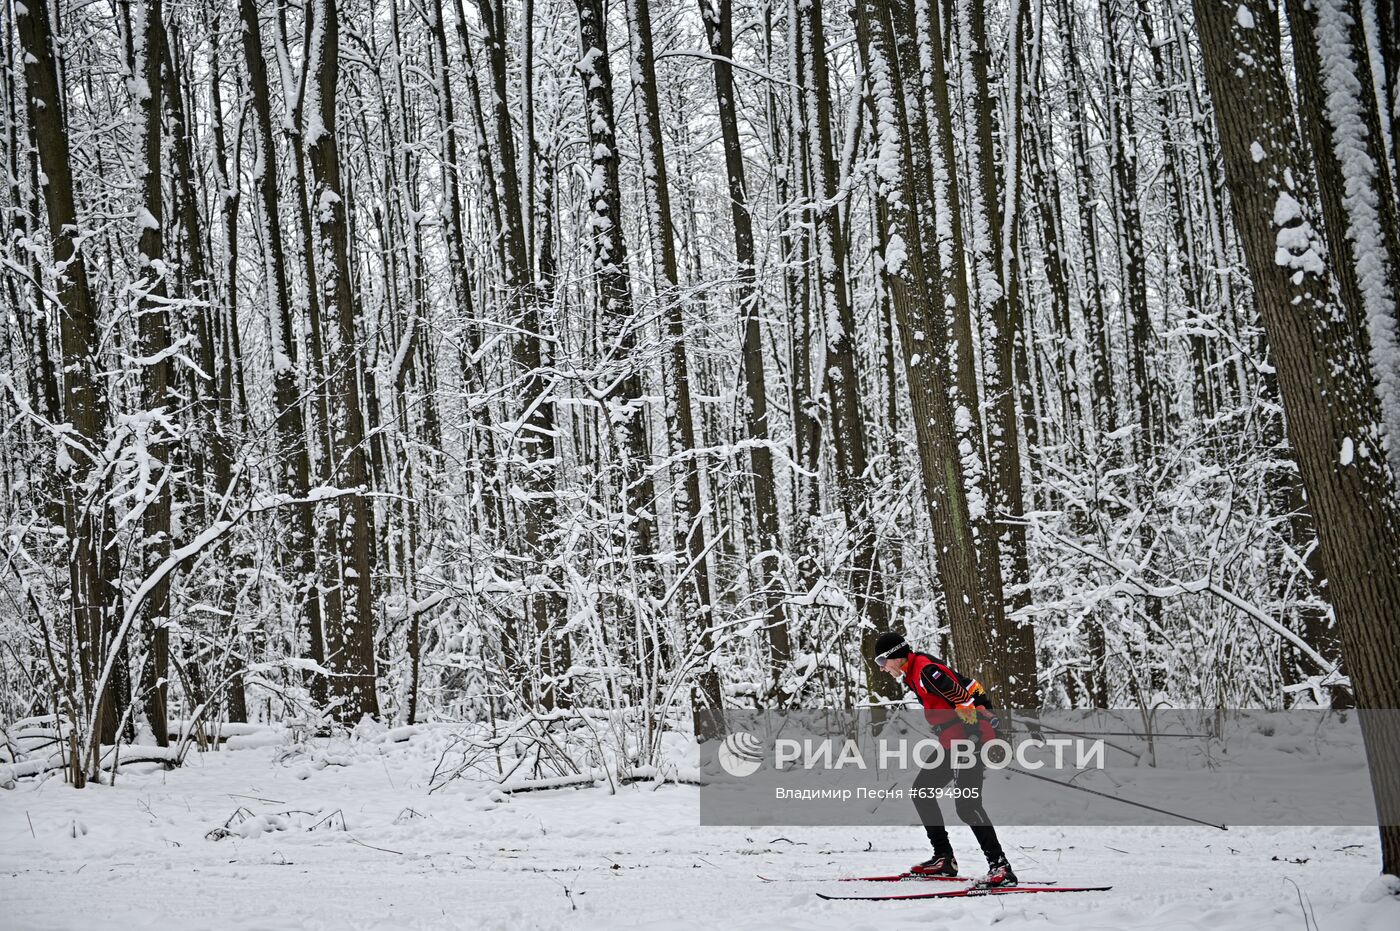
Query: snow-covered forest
pixel 489 362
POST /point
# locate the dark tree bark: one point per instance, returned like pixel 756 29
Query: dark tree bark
pixel 916 39
pixel 31 304
pixel 1359 216
pixel 697 605
pixel 999 204
pixel 1192 286
pixel 923 329
pixel 794 181
pixel 211 445
pixel 545 602
pixel 93 596
pixel 1122 154
pixel 481 442
pixel 1388 32
pixel 319 427
pixel 618 371
pixel 841 382
pixel 1103 407
pixel 293 457
pixel 350 618
pixel 153 331
pixel 719 30
pixel 1334 418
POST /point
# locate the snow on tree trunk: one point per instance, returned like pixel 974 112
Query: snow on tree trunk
pixel 1333 414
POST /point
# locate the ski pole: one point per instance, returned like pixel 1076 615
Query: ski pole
pixel 1033 725
pixel 1125 801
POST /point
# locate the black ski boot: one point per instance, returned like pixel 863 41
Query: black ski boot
pixel 937 865
pixel 999 875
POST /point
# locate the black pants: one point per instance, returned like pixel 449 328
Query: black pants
pixel 967 802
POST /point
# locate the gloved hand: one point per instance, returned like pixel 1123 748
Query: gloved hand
pixel 967 713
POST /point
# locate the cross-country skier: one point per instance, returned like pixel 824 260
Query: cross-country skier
pixel 958 709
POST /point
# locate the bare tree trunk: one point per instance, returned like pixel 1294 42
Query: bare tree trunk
pixel 545 602
pixel 293 458
pixel 1122 153
pixel 31 304
pixel 719 29
pixel 794 181
pixel 1044 182
pixel 350 642
pixel 319 426
pixel 153 328
pixel 1334 416
pixel 87 519
pixel 1105 411
pixel 1192 286
pixel 618 371
pixel 1387 34
pixel 996 208
pixel 923 328
pixel 481 442
pixel 41 370
pixel 841 381
pixel 212 444
pixel 1358 196
pixel 696 608
pixel 1102 402
pixel 920 65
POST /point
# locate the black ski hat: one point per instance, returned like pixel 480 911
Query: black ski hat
pixel 890 645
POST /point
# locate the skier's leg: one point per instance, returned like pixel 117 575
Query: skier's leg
pixel 926 783
pixel 974 815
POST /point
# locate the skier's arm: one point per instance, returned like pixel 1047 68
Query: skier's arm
pixel 942 681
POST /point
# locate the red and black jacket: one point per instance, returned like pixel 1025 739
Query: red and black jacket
pixel 942 690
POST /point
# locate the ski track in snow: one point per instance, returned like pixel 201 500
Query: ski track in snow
pixel 583 858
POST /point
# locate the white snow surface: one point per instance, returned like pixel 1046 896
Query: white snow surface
pixel 340 833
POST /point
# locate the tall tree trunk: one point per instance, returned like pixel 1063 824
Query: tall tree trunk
pixel 1104 408
pixel 545 604
pixel 319 426
pixel 87 520
pixel 923 328
pixel 215 445
pixel 794 181
pixel 31 310
pixel 1123 161
pixel 350 631
pixel 1387 32
pixel 719 29
pixel 690 508
pixel 1102 402
pixel 292 457
pixel 1044 182
pixel 1358 196
pixel 1334 416
pixel 33 306
pixel 481 442
pixel 161 404
pixel 1182 235
pixel 920 65
pixel 997 207
pixel 619 372
pixel 840 380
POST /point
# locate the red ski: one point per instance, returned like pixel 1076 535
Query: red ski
pixel 968 893
pixel 895 878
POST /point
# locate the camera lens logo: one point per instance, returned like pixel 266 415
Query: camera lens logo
pixel 740 754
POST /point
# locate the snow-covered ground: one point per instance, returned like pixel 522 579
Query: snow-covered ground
pixel 341 834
